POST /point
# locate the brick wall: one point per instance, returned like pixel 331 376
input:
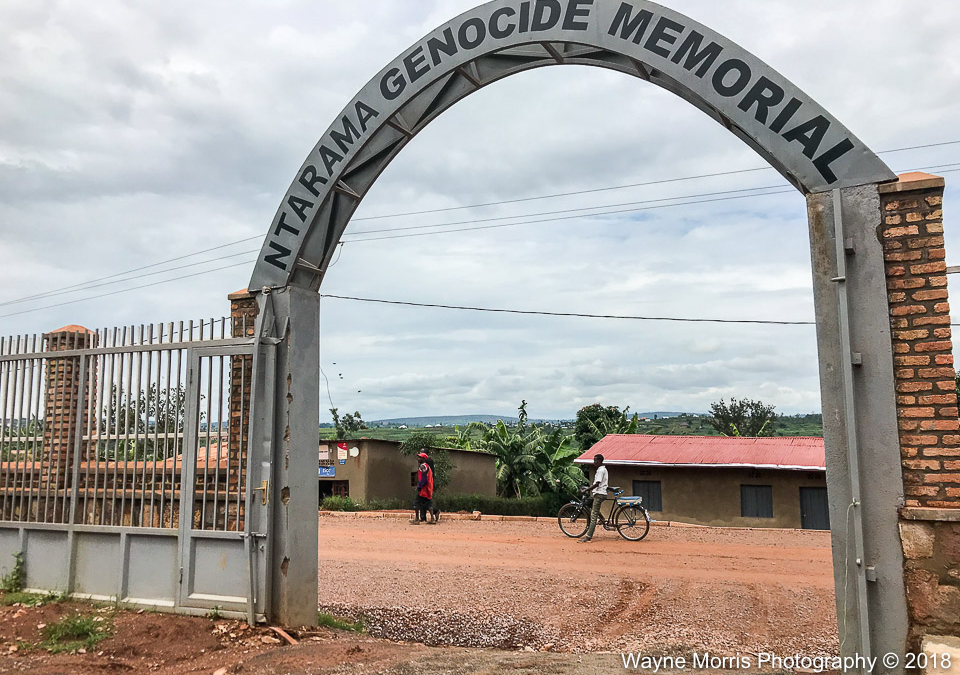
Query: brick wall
pixel 912 235
pixel 62 398
pixel 915 259
pixel 243 316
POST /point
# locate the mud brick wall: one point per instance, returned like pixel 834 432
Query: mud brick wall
pixel 912 236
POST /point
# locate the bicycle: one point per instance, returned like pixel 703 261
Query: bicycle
pixel 628 516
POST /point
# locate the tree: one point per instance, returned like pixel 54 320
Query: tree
pixel 532 460
pixel 152 412
pixel 743 417
pixel 463 439
pixel 348 424
pixel 557 471
pixel 443 465
pixel 516 452
pixel 596 421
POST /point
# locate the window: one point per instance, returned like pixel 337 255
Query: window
pixel 413 479
pixel 756 501
pixel 650 491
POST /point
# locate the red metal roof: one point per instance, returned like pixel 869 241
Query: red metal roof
pixel 795 452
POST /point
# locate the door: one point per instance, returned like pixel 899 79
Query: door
pixel 814 511
pixel 224 494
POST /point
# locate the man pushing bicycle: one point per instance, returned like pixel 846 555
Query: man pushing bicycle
pixel 601 481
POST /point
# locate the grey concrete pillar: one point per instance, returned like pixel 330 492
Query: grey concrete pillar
pixel 872 443
pixel 296 423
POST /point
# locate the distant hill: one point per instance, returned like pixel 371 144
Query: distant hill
pixel 444 420
pixel 661 413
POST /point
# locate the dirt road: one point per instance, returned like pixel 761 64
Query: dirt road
pixel 509 584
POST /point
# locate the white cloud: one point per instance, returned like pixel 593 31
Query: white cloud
pixel 135 133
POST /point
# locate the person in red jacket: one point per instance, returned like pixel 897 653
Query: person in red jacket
pixel 424 492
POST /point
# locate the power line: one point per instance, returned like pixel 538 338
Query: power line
pixel 455 208
pixel 574 217
pixel 125 290
pixel 120 281
pixel 86 286
pixel 571 314
pixel 780 189
pixel 623 187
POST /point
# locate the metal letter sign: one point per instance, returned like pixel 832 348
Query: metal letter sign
pixel 788 128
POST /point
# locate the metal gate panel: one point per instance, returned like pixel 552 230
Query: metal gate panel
pixel 98 564
pixel 217 565
pixel 94 455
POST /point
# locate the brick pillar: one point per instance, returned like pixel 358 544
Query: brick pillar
pixel 243 316
pixel 912 235
pixel 61 397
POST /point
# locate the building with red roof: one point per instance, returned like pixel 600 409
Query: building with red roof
pixel 718 480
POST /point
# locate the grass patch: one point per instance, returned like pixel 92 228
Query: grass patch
pixel 330 621
pixel 72 633
pixel 31 599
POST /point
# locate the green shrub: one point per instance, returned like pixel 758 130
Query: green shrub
pixel 15 580
pixel 545 505
pixel 339 504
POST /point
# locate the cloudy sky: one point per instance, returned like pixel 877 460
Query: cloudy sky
pixel 137 133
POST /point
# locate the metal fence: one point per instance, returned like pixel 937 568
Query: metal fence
pixel 93 427
pixel 140 432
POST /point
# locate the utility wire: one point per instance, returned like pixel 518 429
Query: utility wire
pixel 573 314
pixel 573 217
pixel 86 286
pixel 456 208
pixel 624 187
pixel 125 290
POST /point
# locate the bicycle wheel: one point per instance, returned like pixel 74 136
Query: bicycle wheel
pixel 573 521
pixel 632 523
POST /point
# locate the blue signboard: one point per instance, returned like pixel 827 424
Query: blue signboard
pixel 343 461
pixel 327 472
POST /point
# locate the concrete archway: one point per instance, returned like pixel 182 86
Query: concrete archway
pixel 815 152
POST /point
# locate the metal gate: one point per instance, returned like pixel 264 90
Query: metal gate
pixel 127 470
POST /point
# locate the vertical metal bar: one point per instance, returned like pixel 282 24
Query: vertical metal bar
pixel 241 455
pixel 850 422
pixel 80 407
pixel 123 406
pixel 5 453
pixel 168 356
pixel 10 460
pixel 93 426
pixel 175 475
pixel 138 393
pixel 36 474
pixel 156 427
pixel 220 438
pixel 110 428
pixel 34 455
pixel 6 436
pixel 206 451
pixel 188 465
pixel 55 422
pixel 150 388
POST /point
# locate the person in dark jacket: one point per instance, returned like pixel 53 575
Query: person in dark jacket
pixel 428 460
pixel 424 494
